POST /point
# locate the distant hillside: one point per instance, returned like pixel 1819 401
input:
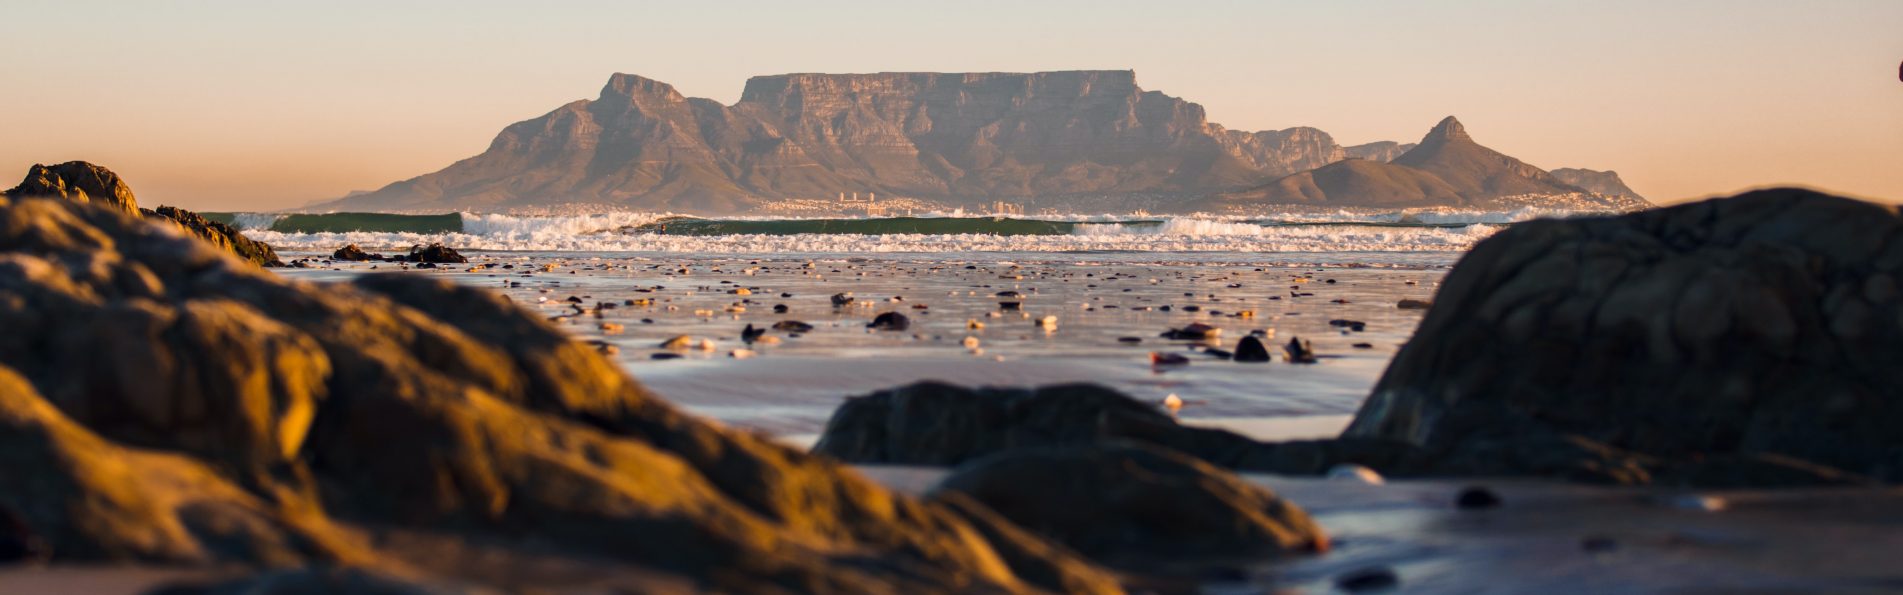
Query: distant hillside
pixel 955 138
pixel 1598 182
pixel 1447 168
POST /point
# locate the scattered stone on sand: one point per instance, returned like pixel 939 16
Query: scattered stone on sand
pixel 1160 358
pixel 750 334
pixel 1251 350
pixel 792 326
pixel 1298 351
pixel 1476 498
pixel 1135 506
pixel 1195 331
pixel 1414 305
pixel 842 299
pixel 678 343
pixel 890 321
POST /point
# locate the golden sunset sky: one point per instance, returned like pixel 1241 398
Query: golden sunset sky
pixel 228 105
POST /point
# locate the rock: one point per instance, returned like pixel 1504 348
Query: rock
pixel 792 326
pixel 1298 351
pixel 678 343
pixel 1251 349
pixel 78 182
pixel 1728 342
pixel 223 236
pixel 1475 498
pixel 1159 358
pixel 351 253
pixel 1134 506
pixel 435 253
pixel 180 407
pixel 1367 579
pixel 841 299
pixel 84 183
pixel 1196 331
pixel 747 335
pixel 890 321
pixel 1414 305
pixel 19 544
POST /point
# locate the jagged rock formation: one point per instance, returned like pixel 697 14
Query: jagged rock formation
pixel 1447 168
pixel 85 183
pixel 973 137
pixel 161 402
pixel 1596 182
pixel 80 182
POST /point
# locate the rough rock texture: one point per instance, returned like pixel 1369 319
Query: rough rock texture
pixel 960 137
pixel 435 254
pixel 225 237
pixel 1447 168
pixel 1130 505
pixel 351 253
pixel 1598 182
pixel 82 182
pixel 1759 327
pixel 173 404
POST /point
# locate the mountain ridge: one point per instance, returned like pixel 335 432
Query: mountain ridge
pixel 1090 139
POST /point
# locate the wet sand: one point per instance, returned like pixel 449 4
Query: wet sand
pixel 790 387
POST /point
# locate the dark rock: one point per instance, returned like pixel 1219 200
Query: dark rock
pixel 1475 498
pixel 749 334
pixel 19 544
pixel 841 299
pixel 792 326
pixel 1130 340
pixel 1196 331
pixel 1739 341
pixel 435 253
pixel 180 407
pixel 351 253
pixel 1298 351
pixel 890 321
pixel 1159 358
pixel 1218 353
pixel 1135 506
pixel 1367 579
pixel 1250 349
pixel 1414 305
pixel 223 236
pixel 1010 306
pixel 779 308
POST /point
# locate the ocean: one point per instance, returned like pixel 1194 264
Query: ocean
pixel 991 300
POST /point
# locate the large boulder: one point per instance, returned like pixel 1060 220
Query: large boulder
pixel 1135 506
pixel 79 182
pixel 1754 332
pixel 175 404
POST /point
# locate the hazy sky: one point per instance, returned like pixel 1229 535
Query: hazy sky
pixel 259 105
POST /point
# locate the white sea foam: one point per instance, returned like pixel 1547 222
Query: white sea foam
pixel 255 221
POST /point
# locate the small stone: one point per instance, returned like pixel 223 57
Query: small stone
pixel 678 343
pixel 1414 305
pixel 1167 359
pixel 841 299
pixel 890 321
pixel 1251 350
pixel 1367 579
pixel 1298 351
pixel 1476 498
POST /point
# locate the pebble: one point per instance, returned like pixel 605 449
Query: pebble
pixel 1367 579
pixel 1167 359
pixel 890 321
pixel 678 343
pixel 1476 498
pixel 1298 351
pixel 1414 304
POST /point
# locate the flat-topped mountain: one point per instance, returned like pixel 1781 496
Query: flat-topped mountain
pixel 1447 168
pixel 956 138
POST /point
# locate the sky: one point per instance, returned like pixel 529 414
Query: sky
pixel 249 105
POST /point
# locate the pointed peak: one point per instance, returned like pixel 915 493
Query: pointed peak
pixel 634 85
pixel 1448 129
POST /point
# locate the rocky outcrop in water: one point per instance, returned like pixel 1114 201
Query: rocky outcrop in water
pixel 956 137
pixel 85 183
pixel 162 402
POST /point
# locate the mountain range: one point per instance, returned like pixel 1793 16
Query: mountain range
pixel 1076 138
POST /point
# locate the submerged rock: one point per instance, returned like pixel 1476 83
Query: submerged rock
pixel 173 405
pixel 890 321
pixel 1251 349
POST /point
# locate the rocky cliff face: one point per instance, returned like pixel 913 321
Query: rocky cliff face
pixel 1597 182
pixel 972 137
pixel 85 183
